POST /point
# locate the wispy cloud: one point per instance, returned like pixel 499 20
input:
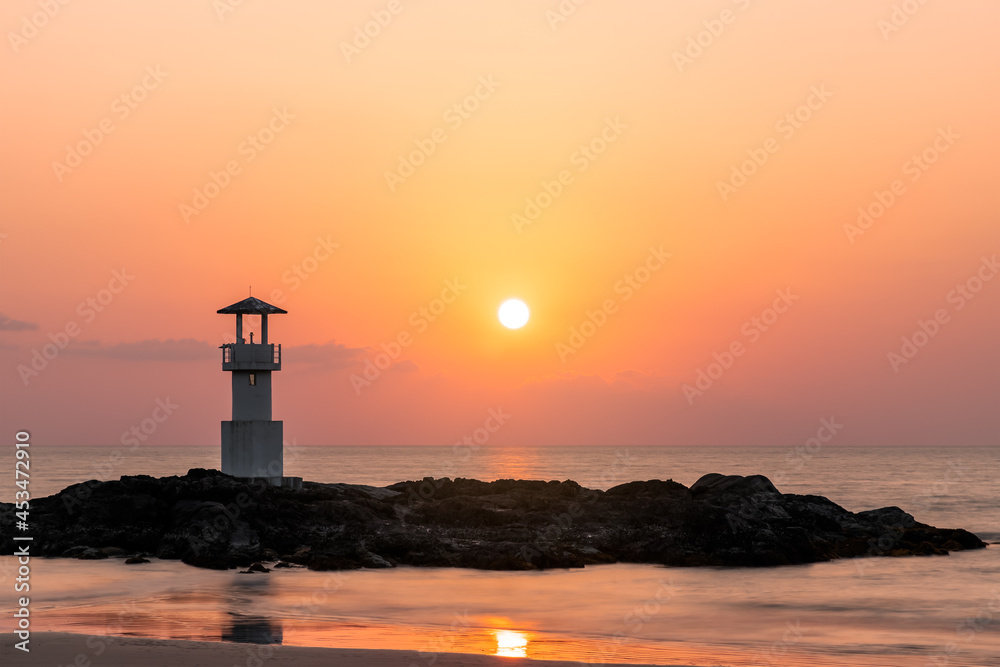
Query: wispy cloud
pixel 334 355
pixel 183 349
pixel 10 324
pixel 329 355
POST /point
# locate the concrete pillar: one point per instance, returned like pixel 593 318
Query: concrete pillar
pixel 251 402
pixel 253 448
pixel 263 329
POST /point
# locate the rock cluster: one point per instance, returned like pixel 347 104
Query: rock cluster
pixel 209 519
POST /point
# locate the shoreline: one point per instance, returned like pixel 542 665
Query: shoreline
pixel 59 648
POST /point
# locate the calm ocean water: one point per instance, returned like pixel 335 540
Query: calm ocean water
pixel 888 612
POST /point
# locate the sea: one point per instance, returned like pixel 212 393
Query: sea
pixel 935 611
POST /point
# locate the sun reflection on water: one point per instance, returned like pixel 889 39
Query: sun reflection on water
pixel 511 643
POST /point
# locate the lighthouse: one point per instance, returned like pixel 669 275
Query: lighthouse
pixel 251 440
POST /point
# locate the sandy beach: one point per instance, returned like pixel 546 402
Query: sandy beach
pixel 61 648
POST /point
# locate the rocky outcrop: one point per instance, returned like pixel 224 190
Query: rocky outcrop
pixel 209 519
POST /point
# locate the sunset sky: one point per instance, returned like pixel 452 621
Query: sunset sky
pixel 686 176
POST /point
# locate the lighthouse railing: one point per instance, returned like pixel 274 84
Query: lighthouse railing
pixel 243 356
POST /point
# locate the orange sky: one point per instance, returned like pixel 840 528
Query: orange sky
pixel 200 150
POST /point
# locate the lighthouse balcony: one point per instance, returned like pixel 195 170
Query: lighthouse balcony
pixel 251 357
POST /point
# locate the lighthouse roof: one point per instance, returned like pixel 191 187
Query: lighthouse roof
pixel 251 306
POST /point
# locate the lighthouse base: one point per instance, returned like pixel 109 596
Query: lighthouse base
pixel 253 449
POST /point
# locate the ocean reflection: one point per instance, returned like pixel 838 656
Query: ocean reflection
pixel 511 643
pixel 900 615
pixel 252 630
pixel 242 627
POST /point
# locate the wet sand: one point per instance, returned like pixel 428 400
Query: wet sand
pixel 61 648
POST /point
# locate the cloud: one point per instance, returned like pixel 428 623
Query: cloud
pixel 405 366
pixel 183 349
pixel 334 355
pixel 10 324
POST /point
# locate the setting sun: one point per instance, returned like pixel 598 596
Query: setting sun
pixel 513 313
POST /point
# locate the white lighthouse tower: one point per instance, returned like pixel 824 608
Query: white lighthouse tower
pixel 252 441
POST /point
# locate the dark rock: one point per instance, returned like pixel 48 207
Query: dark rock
pixel 714 483
pixel 208 562
pixel 374 561
pixel 327 562
pixel 84 553
pixel 114 552
pixel 211 520
pixel 651 488
pixel 135 560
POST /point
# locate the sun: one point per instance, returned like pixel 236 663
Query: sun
pixel 513 313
